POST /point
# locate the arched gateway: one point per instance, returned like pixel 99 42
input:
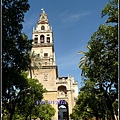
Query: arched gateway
pixel 63 111
pixel 58 88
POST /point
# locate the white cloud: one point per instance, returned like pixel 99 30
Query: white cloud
pixel 68 61
pixel 77 16
pixel 73 17
pixel 31 21
pixel 66 19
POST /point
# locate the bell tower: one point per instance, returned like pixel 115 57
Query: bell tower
pixel 43 47
pixel 61 88
pixel 43 40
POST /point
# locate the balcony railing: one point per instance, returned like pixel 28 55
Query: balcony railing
pixel 42 44
pixel 61 95
pixel 61 81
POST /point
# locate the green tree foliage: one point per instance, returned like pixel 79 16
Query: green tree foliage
pixel 89 104
pixel 15 47
pixel 111 10
pixel 26 98
pixel 44 111
pixel 19 93
pixel 100 66
pixel 29 96
pixel 35 62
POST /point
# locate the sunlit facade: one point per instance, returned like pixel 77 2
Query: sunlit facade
pixel 62 91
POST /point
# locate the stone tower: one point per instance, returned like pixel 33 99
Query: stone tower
pixel 59 88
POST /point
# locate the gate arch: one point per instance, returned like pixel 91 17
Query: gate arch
pixel 63 111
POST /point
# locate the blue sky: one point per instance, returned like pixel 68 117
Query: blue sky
pixel 73 22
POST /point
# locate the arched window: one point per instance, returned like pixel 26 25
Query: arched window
pixel 42 28
pixel 42 39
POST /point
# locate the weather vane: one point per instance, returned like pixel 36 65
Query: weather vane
pixel 43 10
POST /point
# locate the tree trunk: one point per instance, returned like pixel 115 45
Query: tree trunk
pixel 12 113
pixel 30 72
pixel 112 113
pixel 111 110
pixel 30 116
pixel 26 116
pixel 96 115
pixel 109 105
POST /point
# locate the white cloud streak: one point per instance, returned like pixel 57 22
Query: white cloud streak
pixel 31 21
pixel 68 61
pixel 73 17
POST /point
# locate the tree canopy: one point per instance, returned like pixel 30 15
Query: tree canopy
pixel 44 111
pixel 14 50
pixel 100 69
pixel 19 93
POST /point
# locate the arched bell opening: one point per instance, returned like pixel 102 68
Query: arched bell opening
pixel 42 39
pixel 63 111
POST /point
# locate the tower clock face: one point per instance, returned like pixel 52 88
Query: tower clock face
pixel 45 76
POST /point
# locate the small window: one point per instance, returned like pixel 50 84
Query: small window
pixel 48 39
pixel 42 28
pixel 45 54
pixel 45 63
pixel 48 35
pixel 36 40
pixel 38 55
